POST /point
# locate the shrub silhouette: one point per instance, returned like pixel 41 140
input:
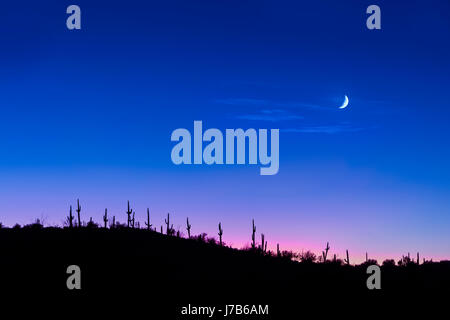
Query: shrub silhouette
pixel 36 225
pixel 202 237
pixel 289 255
pixel 308 257
pixel 91 224
pixel 368 262
pixel 119 225
pixel 389 263
pixel 405 261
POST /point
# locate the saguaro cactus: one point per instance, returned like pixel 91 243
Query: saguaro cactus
pixel 105 217
pixel 418 260
pixel 325 253
pixel 367 258
pixel 262 243
pixel 129 212
pixel 148 220
pixel 161 230
pixel 113 222
pixel 167 221
pixel 132 221
pixel 253 234
pixel 278 250
pixel 220 233
pixel 78 212
pixel 347 261
pixel 188 227
pixel 70 218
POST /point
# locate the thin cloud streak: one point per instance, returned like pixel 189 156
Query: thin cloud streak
pixel 331 129
pixel 265 103
pixel 270 115
pixel 244 102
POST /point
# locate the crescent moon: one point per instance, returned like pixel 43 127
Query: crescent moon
pixel 345 104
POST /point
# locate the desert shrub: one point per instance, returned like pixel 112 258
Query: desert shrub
pixel 171 232
pixel 289 255
pixel 389 263
pixel 91 225
pixel 202 237
pixel 119 225
pixel 36 225
pixel 308 257
pixel 405 261
pixel 369 262
pixel 337 262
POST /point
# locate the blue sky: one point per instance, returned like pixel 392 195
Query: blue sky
pixel 89 114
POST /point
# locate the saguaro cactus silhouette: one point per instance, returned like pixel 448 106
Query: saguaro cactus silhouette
pixel 113 222
pixel 78 212
pixel 347 261
pixel 129 212
pixel 105 217
pixel 263 244
pixel 278 250
pixel 70 218
pixel 418 260
pixel 188 227
pixel 167 221
pixel 132 221
pixel 220 233
pixel 148 220
pixel 253 234
pixel 325 253
pixel 367 258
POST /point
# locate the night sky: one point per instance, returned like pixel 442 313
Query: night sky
pixel 89 113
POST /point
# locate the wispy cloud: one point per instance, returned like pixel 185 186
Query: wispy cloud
pixel 245 102
pixel 329 129
pixel 270 115
pixel 266 117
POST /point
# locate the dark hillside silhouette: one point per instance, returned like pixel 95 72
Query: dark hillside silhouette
pixel 171 269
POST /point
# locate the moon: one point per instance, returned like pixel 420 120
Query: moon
pixel 345 104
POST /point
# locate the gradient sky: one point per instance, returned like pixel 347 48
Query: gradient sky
pixel 88 114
